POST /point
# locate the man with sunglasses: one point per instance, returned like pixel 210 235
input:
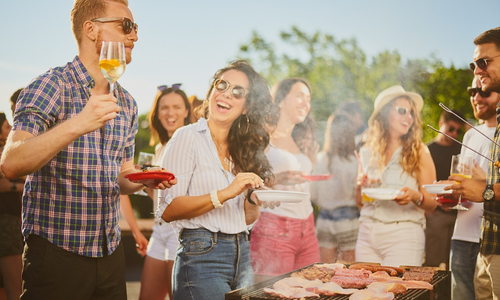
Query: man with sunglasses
pixel 440 223
pixel 76 150
pixel 486 67
pixel 467 233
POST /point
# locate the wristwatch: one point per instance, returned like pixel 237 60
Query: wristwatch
pixel 488 193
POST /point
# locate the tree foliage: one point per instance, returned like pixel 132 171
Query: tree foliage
pixel 339 70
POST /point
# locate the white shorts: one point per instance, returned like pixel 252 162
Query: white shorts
pixel 163 242
pixel 390 244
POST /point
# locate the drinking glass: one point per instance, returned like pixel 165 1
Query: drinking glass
pixel 145 160
pixel 461 166
pixel 112 62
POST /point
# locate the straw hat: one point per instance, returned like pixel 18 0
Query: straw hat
pixel 392 93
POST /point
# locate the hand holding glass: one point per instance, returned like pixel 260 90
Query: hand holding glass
pixel 461 166
pixel 112 62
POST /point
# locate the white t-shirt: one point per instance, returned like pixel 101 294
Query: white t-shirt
pixel 468 223
pixel 281 161
pixel 339 190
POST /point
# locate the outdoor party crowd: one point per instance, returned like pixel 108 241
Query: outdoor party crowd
pixel 66 158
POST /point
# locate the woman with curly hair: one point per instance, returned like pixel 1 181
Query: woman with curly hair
pixel 392 232
pixel 216 160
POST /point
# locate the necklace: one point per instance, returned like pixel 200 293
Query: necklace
pixel 219 150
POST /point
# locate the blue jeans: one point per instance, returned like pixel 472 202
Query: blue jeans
pixel 463 264
pixel 209 265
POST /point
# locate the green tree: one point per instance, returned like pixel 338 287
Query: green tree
pixel 339 70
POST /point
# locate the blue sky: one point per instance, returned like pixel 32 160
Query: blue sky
pixel 187 41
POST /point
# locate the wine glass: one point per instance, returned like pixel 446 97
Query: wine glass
pixel 112 62
pixel 461 166
pixel 145 160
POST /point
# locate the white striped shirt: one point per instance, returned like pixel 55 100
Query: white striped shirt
pixel 192 156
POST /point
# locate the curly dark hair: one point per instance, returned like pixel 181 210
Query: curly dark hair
pixel 248 140
pixel 158 132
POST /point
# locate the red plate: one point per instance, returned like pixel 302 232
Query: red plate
pixel 317 177
pixel 147 178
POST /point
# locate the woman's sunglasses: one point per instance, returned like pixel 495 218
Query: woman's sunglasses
pixel 174 86
pixel 481 63
pixel 402 111
pixel 473 92
pixel 127 24
pixel 237 91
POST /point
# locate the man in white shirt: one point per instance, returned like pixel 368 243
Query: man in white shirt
pixel 465 239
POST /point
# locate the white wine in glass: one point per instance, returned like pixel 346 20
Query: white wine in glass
pixel 461 166
pixel 112 62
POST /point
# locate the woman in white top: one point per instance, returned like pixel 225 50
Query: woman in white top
pixel 284 239
pixel 337 221
pixel 215 161
pixel 392 232
pixel 170 111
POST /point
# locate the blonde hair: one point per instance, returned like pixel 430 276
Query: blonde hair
pixel 85 10
pixel 411 142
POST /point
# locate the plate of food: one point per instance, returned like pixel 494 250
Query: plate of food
pixel 281 196
pixel 381 193
pixel 150 177
pixel 317 177
pixel 437 188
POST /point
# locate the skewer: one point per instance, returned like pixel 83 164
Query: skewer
pixel 496 163
pixel 472 126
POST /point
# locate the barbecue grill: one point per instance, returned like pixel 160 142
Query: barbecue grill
pixel 441 283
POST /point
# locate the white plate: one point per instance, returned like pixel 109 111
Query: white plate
pixel 281 196
pixel 382 194
pixel 437 188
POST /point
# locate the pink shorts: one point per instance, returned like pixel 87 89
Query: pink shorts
pixel 279 244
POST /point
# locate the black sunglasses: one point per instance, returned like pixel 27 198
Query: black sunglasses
pixel 473 91
pixel 174 86
pixel 127 24
pixel 481 63
pixel 403 111
pixel 237 91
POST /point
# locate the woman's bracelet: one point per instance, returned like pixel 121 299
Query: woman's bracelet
pixel 215 199
pixel 420 201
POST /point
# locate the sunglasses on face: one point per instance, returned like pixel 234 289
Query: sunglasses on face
pixel 473 92
pixel 452 129
pixel 238 92
pixel 127 24
pixel 174 86
pixel 481 63
pixel 403 111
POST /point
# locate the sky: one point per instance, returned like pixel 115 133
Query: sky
pixel 187 41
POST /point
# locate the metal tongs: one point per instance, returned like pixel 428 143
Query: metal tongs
pixel 496 163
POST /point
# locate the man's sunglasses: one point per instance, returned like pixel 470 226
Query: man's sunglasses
pixel 237 91
pixel 174 86
pixel 127 24
pixel 403 111
pixel 473 92
pixel 481 63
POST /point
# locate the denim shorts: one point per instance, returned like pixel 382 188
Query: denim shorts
pixel 209 265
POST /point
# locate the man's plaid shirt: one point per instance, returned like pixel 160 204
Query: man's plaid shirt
pixel 73 199
pixel 490 239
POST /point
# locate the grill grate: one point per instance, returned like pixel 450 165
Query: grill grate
pixel 441 290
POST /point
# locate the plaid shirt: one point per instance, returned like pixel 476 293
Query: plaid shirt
pixel 490 240
pixel 74 198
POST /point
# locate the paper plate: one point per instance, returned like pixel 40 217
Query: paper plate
pixel 281 196
pixel 317 177
pixel 437 188
pixel 150 177
pixel 382 194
